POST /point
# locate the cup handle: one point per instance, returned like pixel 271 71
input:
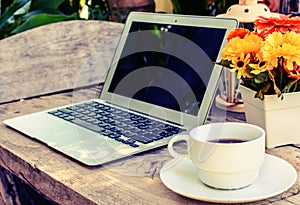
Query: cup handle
pixel 178 138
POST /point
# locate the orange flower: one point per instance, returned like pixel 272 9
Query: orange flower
pixel 283 24
pixel 239 32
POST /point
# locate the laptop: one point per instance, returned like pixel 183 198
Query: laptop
pixel 161 82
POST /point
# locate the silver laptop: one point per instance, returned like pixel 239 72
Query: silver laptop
pixel 161 82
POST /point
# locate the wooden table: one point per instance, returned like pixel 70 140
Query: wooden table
pixel 131 181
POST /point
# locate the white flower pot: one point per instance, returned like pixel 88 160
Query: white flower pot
pixel 279 118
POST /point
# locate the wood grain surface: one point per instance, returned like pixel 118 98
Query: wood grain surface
pixel 134 180
pixel 56 57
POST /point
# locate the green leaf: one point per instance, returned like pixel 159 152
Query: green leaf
pixel 176 6
pixel 260 78
pixel 41 11
pixel 224 63
pixel 287 88
pixel 276 89
pixel 23 10
pixel 297 86
pixel 39 20
pixel 260 95
pixel 10 12
pixel 45 4
pixel 248 73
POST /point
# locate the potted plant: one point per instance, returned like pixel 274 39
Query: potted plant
pixel 267 60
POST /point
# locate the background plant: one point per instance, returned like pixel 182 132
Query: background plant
pixel 20 15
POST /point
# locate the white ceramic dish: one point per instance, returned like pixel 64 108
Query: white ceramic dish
pixel 276 176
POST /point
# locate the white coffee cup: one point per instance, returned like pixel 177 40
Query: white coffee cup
pixel 224 165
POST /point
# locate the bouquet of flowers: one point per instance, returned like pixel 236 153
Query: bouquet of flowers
pixel 267 59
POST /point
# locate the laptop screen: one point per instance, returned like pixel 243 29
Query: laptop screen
pixel 167 65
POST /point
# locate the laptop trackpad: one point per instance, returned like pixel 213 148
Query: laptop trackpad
pixel 68 138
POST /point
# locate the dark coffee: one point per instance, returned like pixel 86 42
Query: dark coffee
pixel 228 141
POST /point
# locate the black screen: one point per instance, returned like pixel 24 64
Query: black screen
pixel 167 65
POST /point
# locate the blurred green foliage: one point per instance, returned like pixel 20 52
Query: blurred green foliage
pixel 20 15
pixel 99 10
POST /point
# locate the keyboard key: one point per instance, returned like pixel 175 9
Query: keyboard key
pixel 87 125
pixel 143 126
pixel 120 125
pixel 150 136
pixel 114 135
pixel 134 145
pixel 106 132
pixel 141 139
pixel 66 110
pixel 166 134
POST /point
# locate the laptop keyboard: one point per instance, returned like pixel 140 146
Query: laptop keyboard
pixel 120 125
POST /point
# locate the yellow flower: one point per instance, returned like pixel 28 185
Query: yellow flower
pixel 254 44
pixel 279 45
pixel 233 49
pixel 259 67
pixel 269 53
pixel 239 50
pixel 291 48
pixel 240 65
pixel 251 43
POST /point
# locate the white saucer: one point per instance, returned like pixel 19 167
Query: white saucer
pixel 276 176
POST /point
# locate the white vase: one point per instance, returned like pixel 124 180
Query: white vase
pixel 279 118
